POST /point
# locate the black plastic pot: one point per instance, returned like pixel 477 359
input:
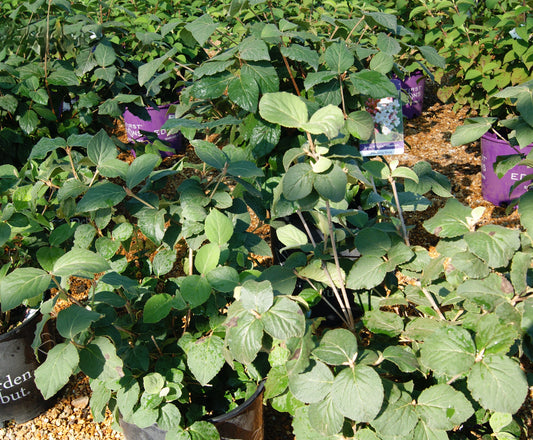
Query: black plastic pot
pixel 243 423
pixel 20 400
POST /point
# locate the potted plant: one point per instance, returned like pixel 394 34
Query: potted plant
pixel 432 325
pixel 160 269
pixel 506 174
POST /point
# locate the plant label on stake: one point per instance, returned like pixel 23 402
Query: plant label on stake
pixel 387 137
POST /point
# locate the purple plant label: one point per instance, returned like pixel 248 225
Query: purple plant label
pixel 387 138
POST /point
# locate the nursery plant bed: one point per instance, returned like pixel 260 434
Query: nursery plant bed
pixel 427 139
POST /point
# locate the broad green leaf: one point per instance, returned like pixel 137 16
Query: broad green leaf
pixel 252 49
pixel 141 168
pixel 45 146
pixel 325 417
pixel 494 244
pixel 22 284
pixel 432 56
pixel 223 278
pixel 63 77
pixel 202 28
pixel 428 180
pixel 328 120
pixel 152 224
pixel 284 109
pixel 443 408
pixel 397 417
pixel 360 124
pixel 406 173
pixel 257 296
pixel 525 208
pixel 244 333
pixel 386 323
pixel 74 320
pixel 291 236
pixel 450 221
pixel 157 308
pixel 218 227
pixel 284 320
pixel 244 168
pixel 374 84
pixel 84 235
pixel 264 74
pixel 195 290
pixel 80 262
pixel 301 423
pixel 169 418
pixel 99 360
pixel 207 258
pixel 298 182
pixel 519 269
pixel 388 44
pixel 9 103
pixel 303 54
pixel 244 91
pixel 498 384
pixel 163 261
pixel 331 185
pixel 424 432
pixel 471 131
pixel 373 242
pixel 55 372
pixel 382 62
pixel 103 195
pixel 449 350
pixel 210 154
pixel 106 247
pixel 200 430
pixel 493 336
pixel 104 54
pixel 338 57
pixel 402 356
pixel 337 347
pixel 358 393
pixel 489 292
pixel 205 358
pixel 313 385
pixel 367 272
pixel 29 121
pixel 148 70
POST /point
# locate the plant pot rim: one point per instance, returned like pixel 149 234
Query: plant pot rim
pixel 491 136
pixel 31 315
pixel 242 407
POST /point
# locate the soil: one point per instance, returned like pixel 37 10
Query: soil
pixel 427 138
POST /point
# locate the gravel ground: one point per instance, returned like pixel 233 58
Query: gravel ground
pixel 427 138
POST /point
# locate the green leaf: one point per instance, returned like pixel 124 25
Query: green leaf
pixel 9 103
pixel 284 109
pixel 207 258
pixel 5 233
pixel 498 384
pixel 244 91
pixel 432 56
pixel 80 262
pixel 84 235
pixel 367 272
pixel 494 244
pixel 449 350
pixel 244 333
pixel 302 54
pixel 337 347
pixel 298 182
pixel 398 416
pixel 218 227
pixel 442 407
pixel 210 154
pixel 471 131
pixel 325 417
pixel 328 120
pixel 205 358
pixel 494 337
pixel 360 124
pixel 54 373
pixel 284 320
pixel 331 185
pixel 488 293
pixel 163 262
pixel 406 173
pixel 99 360
pixel 264 74
pixel 519 268
pixel 358 393
pixel 450 221
pixel 195 290
pixel 257 296
pixel 428 180
pixel 382 62
pixel 202 28
pixel 157 308
pixel 148 70
pixel 373 242
pixel 387 323
pixel 22 284
pixel 402 356
pixel 313 385
pixel 141 168
pixel 29 121
pixel 106 247
pixel 201 431
pixel 424 432
pixel 169 417
pixel 252 49
pixel 291 236
pixel 45 146
pixel 338 57
pixel 104 54
pixel 74 320
pixel 525 208
pixel 223 278
pixel 152 224
pixel 101 195
pixel 374 84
